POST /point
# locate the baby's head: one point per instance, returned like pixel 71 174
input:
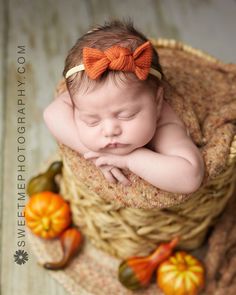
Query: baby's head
pixel 115 111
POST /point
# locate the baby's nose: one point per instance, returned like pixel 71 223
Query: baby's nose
pixel 111 129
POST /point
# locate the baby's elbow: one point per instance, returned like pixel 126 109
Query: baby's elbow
pixel 195 181
pixel 193 186
pixel 49 121
pixel 47 116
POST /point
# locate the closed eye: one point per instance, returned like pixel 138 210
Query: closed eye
pixel 89 121
pixel 91 124
pixel 126 117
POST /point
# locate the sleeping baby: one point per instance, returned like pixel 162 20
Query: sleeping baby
pixel 114 112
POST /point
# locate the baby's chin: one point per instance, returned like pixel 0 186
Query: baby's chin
pixel 116 151
pixel 122 150
pixel 119 150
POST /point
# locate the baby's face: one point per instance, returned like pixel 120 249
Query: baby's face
pixel 116 119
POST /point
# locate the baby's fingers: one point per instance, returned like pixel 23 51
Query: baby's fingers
pixel 120 176
pixel 101 161
pixel 108 175
pixel 91 155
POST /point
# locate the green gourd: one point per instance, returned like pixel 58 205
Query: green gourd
pixel 45 181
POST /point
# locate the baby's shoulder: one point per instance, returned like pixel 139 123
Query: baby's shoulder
pixel 168 115
pixel 166 127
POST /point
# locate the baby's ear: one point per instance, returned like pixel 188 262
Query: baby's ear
pixel 160 94
pixel 159 99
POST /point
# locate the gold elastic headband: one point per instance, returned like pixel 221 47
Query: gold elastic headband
pixel 81 67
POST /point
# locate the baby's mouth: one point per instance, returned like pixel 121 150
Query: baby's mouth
pixel 115 145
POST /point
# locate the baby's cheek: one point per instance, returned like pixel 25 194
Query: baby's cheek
pixel 143 131
pixel 86 135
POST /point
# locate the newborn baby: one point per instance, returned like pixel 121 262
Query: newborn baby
pixel 114 112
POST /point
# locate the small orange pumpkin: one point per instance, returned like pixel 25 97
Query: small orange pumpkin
pixel 47 214
pixel 181 274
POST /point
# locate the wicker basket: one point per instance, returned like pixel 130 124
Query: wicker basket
pixel 123 231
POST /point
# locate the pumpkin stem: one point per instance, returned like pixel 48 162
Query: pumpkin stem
pixel 54 169
pixel 163 251
pixel 46 223
pixel 174 242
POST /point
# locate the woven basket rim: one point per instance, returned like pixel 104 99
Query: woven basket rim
pixel 182 46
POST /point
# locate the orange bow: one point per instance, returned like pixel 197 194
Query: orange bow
pixel 118 58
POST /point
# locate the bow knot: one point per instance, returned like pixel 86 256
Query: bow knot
pixel 120 58
pixel 96 62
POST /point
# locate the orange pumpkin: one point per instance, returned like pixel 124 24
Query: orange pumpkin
pixel 181 274
pixel 47 214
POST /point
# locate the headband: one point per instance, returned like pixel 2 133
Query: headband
pixel 96 62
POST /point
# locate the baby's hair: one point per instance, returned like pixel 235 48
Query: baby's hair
pixel 114 32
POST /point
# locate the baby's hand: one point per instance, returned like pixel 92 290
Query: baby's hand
pixel 113 174
pixel 109 165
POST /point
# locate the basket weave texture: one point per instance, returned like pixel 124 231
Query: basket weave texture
pixel 127 221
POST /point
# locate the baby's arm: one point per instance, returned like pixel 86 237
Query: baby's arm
pixel 176 165
pixel 59 119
